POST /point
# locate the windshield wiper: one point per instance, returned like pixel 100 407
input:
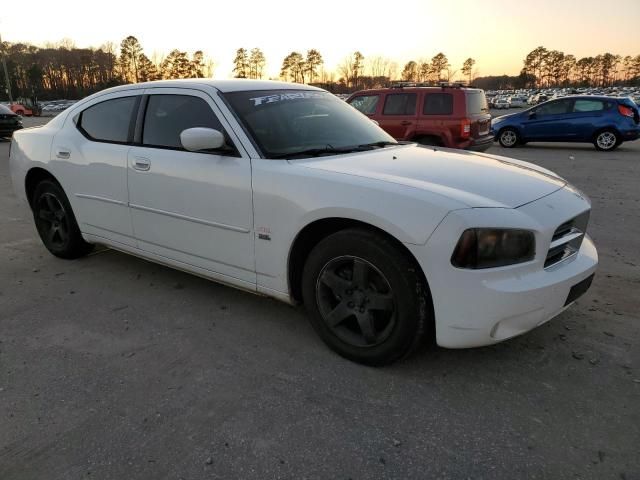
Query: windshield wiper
pixel 310 152
pixel 381 144
pixel 328 150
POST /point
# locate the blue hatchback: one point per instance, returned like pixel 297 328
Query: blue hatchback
pixel 604 121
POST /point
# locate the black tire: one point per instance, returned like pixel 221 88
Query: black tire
pixel 56 223
pixel 509 138
pixel 429 141
pixel 376 318
pixel 606 140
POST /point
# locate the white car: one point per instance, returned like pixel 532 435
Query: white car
pixel 287 191
pixel 501 103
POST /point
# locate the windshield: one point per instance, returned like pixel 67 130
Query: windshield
pixel 289 123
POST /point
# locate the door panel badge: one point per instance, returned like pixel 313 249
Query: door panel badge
pixel 264 233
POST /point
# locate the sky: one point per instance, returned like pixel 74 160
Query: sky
pixel 497 33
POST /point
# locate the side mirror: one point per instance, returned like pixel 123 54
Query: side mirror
pixel 200 138
pixel 532 114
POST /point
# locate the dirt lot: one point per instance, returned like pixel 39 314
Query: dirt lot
pixel 115 368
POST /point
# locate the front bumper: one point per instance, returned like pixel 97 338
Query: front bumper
pixel 481 307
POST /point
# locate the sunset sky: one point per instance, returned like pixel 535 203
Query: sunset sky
pixel 497 33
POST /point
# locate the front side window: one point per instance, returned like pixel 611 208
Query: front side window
pixel 108 121
pixel 438 104
pixel 285 123
pixel 588 106
pixel 168 115
pixel 366 104
pixel 554 108
pixel 400 104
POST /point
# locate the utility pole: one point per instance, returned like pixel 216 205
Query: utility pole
pixel 6 72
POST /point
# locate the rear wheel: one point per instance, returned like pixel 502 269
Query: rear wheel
pixel 20 112
pixel 508 138
pixel 431 141
pixel 56 223
pixel 366 298
pixel 606 140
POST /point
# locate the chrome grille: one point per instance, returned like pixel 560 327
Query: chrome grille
pixel 566 239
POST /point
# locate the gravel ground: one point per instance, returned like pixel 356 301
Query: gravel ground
pixel 112 367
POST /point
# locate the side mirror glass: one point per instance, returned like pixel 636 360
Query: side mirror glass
pixel 200 138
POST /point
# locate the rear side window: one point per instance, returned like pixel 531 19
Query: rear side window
pixel 400 104
pixel 438 104
pixel 108 121
pixel 168 115
pixel 476 103
pixel 554 108
pixel 366 104
pixel 588 106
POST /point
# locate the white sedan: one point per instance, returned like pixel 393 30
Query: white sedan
pixel 287 191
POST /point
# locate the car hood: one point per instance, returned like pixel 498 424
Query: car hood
pixel 474 179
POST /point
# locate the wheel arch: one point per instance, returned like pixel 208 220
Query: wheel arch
pixel 316 231
pixel 599 130
pixel 33 177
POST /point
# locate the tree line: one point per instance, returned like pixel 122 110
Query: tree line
pixel 65 71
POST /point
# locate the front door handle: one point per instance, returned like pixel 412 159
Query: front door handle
pixel 141 163
pixel 405 123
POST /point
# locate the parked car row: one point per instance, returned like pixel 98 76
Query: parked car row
pixel 458 118
pixel 523 97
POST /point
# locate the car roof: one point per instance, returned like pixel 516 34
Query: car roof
pixel 417 89
pixel 224 86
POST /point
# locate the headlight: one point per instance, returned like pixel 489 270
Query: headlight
pixel 493 247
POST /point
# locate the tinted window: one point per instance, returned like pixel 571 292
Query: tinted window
pixel 438 104
pixel 366 104
pixel 108 121
pixel 168 115
pixel 588 106
pixel 476 102
pixel 400 104
pixel 554 108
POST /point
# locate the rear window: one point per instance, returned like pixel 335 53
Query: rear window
pixel 400 104
pixel 366 104
pixel 108 121
pixel 588 106
pixel 438 104
pixel 476 103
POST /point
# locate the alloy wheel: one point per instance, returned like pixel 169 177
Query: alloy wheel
pixel 52 220
pixel 356 301
pixel 509 138
pixel 606 140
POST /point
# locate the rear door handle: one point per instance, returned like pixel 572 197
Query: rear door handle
pixel 63 154
pixel 141 163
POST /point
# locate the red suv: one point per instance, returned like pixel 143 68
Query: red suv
pixel 448 116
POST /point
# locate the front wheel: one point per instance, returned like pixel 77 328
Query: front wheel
pixel 366 297
pixel 606 140
pixel 56 223
pixel 508 138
